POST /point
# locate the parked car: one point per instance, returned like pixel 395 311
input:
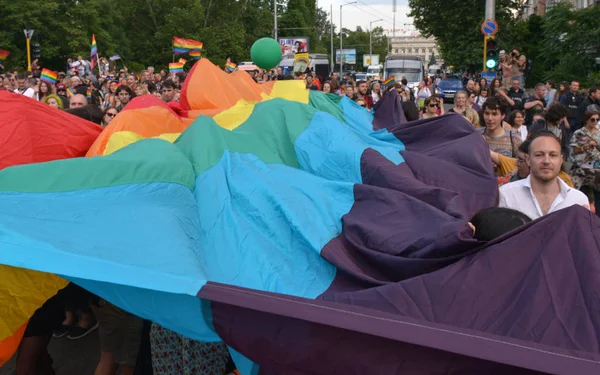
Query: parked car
pixel 360 76
pixel 448 88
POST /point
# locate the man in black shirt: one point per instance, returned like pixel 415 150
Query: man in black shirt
pixel 572 100
pixel 517 94
pixel 535 104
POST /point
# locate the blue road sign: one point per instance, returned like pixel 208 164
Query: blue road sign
pixel 489 27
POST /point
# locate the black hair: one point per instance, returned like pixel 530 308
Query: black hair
pixel 21 75
pixel 555 113
pixel 494 103
pixel 593 89
pixel 88 112
pixel 151 86
pixel 169 84
pixel 125 88
pixel 493 222
pixel 404 81
pixel 524 147
pixel 513 115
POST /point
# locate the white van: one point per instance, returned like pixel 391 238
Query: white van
pixel 374 71
pixel 319 63
pixel 400 66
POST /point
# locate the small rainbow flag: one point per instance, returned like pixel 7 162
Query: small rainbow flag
pixel 70 92
pixel 389 81
pixel 181 45
pixel 230 66
pixel 183 61
pixel 114 57
pixel 88 93
pixel 49 76
pixel 3 55
pixel 176 67
pixel 94 52
pixel 195 53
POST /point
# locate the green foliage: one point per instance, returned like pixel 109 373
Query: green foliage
pixel 570 43
pixel 141 31
pixel 456 24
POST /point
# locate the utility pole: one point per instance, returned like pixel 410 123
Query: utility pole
pixel 490 9
pixel 331 24
pixel 371 39
pixel 275 18
pixel 394 11
pixel 341 36
pixel 28 35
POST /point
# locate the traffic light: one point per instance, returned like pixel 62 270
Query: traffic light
pixel 491 53
pixel 36 51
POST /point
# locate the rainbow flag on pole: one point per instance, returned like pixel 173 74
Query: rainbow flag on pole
pixel 182 60
pixel 49 76
pixel 195 54
pixel 114 57
pixel 181 45
pixel 94 52
pixel 175 67
pixel 230 66
pixel 70 92
pixel 389 81
pixel 3 55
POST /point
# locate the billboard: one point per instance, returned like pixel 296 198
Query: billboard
pixel 294 44
pixel 349 56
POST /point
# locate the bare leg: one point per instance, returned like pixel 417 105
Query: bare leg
pixel 107 365
pixel 33 357
pixel 69 319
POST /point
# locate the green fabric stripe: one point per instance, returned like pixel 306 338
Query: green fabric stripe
pixel 269 133
pixel 150 160
pixel 329 103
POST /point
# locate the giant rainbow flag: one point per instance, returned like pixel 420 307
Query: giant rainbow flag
pixel 308 234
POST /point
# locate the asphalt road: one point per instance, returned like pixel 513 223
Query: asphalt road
pixel 71 357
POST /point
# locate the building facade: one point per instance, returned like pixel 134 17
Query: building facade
pixel 539 7
pixel 416 45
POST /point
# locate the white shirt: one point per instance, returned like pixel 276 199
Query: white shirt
pixel 519 196
pixel 29 92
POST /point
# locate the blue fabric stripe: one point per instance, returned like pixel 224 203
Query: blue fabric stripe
pixel 331 149
pixel 133 245
pixel 263 226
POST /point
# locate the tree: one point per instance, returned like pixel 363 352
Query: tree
pixel 456 26
pixel 570 44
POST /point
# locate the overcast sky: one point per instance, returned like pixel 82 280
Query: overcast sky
pixel 365 11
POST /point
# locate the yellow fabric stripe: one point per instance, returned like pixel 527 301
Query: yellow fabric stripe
pixel 23 291
pixel 124 138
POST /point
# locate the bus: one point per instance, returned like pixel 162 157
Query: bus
pixel 400 66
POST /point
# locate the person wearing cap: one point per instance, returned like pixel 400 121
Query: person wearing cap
pixel 506 67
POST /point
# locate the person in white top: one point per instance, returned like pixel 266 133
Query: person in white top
pixel 22 87
pixel 542 192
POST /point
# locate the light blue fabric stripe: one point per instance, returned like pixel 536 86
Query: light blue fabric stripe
pixel 331 149
pixel 361 121
pixel 244 365
pixel 263 226
pixel 130 244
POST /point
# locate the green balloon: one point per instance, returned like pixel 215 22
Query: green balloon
pixel 266 53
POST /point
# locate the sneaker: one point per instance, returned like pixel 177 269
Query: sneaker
pixel 78 332
pixel 62 331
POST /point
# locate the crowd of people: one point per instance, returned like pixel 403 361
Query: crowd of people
pixel 545 147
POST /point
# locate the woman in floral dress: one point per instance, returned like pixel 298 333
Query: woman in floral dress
pixel 585 156
pixel 174 354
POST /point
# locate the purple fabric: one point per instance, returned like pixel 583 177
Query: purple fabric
pixel 415 293
pixel 388 111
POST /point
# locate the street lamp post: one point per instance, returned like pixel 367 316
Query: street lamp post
pixel 371 39
pixel 28 35
pixel 341 36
